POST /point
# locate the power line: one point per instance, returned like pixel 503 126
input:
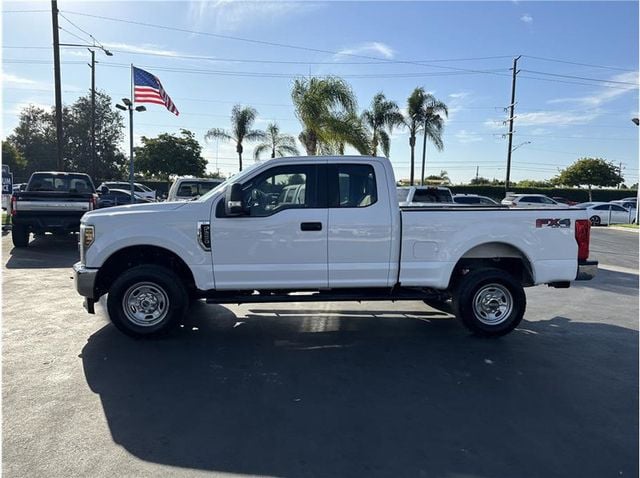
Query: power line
pixel 275 44
pixel 580 78
pixel 576 63
pixel 70 33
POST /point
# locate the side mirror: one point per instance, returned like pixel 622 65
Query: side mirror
pixel 233 200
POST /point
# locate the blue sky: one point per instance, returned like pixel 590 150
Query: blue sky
pixel 465 50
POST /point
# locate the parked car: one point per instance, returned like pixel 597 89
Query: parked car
pixel 474 199
pixel 530 200
pixel 19 187
pixel 186 189
pixel 561 200
pixel 346 241
pixel 423 195
pixel 119 197
pixel 139 189
pixel 598 213
pixel 51 202
pixel 627 204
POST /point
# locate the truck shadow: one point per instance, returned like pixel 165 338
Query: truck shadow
pixel 612 281
pixel 46 252
pixel 293 393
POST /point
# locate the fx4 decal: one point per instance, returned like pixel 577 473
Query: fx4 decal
pixel 553 223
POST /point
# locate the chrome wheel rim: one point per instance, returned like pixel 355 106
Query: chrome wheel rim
pixel 492 304
pixel 145 304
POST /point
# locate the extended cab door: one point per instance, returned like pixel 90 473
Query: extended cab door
pixel 360 225
pixel 281 241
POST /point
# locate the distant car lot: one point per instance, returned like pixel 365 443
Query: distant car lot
pixel 346 389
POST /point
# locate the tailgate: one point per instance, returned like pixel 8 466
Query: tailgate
pixel 53 202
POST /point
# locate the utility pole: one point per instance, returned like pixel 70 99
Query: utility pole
pixel 93 114
pixel 620 173
pixel 477 172
pixel 511 111
pixel 58 87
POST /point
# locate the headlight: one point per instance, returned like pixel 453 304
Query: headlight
pixel 87 235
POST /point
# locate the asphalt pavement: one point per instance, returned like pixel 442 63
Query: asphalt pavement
pixel 301 390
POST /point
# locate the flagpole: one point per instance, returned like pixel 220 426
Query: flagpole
pixel 131 137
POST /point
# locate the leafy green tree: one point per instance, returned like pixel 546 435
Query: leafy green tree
pixel 532 183
pixel 13 158
pixel 326 107
pixel 442 178
pixel 414 120
pixel 433 125
pixel 242 120
pixel 109 159
pixel 590 172
pixel 277 143
pixel 168 154
pixel 381 118
pixel 35 138
pixel 480 181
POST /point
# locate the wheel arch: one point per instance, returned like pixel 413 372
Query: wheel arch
pixel 131 256
pixel 496 254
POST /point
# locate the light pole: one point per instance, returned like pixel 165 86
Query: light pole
pixel 92 65
pixel 636 121
pixel 128 105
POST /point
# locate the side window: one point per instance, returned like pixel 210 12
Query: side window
pixel 603 207
pixel 282 187
pixel 618 208
pixel 546 201
pixel 352 185
pixel 532 199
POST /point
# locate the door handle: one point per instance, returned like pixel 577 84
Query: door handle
pixel 311 226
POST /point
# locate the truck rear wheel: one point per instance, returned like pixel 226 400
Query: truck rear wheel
pixel 489 302
pixel 147 301
pixel 20 235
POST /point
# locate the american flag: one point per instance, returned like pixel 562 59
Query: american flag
pixel 148 89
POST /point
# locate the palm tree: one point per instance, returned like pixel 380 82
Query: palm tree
pixel 241 122
pixel 433 127
pixel 413 120
pixel 278 144
pixel 326 108
pixel 383 115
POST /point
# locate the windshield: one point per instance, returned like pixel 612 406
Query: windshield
pixel 233 179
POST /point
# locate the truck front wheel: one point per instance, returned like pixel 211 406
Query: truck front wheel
pixel 489 302
pixel 147 301
pixel 20 235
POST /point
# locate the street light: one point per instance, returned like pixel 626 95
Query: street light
pixel 128 105
pixel 636 121
pixel 92 65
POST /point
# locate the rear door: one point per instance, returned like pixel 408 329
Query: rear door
pixel 281 242
pixel 359 225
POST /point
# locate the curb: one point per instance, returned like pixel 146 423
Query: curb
pixel 626 229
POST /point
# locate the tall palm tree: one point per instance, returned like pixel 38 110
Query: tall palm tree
pixel 433 126
pixel 414 120
pixel 381 119
pixel 241 122
pixel 325 107
pixel 278 144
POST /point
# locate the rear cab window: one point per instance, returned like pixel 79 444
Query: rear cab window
pixel 66 183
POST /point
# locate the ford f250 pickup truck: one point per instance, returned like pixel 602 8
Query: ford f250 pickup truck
pixel 324 229
pixel 52 202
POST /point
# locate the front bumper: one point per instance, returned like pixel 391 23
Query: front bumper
pixel 85 280
pixel 587 270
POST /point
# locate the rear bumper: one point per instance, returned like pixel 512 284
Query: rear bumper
pixel 49 222
pixel 587 270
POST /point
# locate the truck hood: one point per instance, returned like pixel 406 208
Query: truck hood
pixel 133 209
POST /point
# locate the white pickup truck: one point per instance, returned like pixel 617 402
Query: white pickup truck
pixel 340 236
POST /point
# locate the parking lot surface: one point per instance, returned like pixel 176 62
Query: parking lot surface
pixel 300 390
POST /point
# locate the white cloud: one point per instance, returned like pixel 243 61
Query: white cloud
pixel 606 94
pixel 146 48
pixel 367 48
pixel 229 15
pixel 459 96
pixel 14 81
pixel 526 18
pixel 464 136
pixel 556 118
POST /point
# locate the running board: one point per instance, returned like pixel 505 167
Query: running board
pixel 341 295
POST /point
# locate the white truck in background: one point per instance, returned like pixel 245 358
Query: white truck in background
pixel 343 239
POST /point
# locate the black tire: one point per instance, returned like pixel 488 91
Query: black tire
pixel 165 298
pixel 445 306
pixel 595 220
pixel 482 295
pixel 20 235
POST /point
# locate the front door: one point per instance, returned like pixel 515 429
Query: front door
pixel 281 241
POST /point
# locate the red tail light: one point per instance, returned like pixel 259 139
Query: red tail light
pixel 583 232
pixel 14 203
pixel 92 203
